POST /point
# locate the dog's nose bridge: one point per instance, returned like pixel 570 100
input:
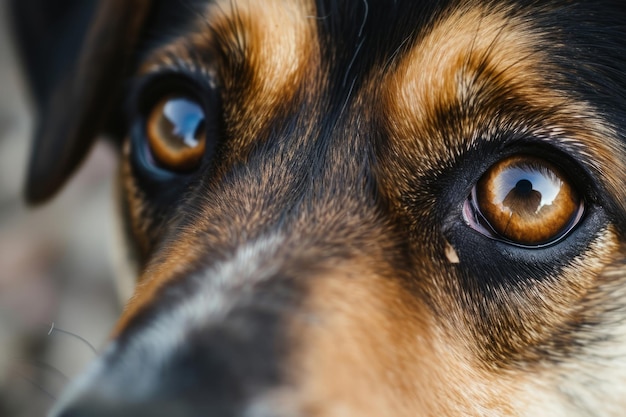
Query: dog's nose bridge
pixel 222 326
pixel 217 345
pixel 259 237
pixel 291 179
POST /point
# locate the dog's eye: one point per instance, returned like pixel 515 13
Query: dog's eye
pixel 176 132
pixel 524 200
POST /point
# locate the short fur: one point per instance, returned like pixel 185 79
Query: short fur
pixel 317 262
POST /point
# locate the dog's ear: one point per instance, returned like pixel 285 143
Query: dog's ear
pixel 77 53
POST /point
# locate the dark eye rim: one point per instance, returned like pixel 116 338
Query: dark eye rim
pixel 477 221
pixel 457 181
pixel 578 180
pixel 147 90
pixel 486 263
pixel 146 93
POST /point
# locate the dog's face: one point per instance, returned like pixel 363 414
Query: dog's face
pixel 359 208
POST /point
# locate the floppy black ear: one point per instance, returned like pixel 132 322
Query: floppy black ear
pixel 77 52
pixel 49 34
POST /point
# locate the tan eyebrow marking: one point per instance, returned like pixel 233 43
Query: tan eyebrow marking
pixel 264 54
pixel 474 48
pixel 278 46
pixel 479 60
pixel 446 64
pixel 276 41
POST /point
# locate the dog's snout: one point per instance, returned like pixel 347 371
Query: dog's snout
pixel 225 347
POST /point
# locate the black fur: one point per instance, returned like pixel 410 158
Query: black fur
pixel 314 175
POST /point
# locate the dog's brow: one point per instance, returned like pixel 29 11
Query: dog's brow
pixel 262 54
pixel 481 60
pixel 269 49
pixel 448 64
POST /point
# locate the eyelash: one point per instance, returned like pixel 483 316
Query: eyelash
pixel 144 90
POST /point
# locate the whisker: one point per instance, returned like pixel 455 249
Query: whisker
pixel 54 329
pixel 365 14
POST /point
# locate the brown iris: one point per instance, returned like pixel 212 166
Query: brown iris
pixel 176 133
pixel 527 200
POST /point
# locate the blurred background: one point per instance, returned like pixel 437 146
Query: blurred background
pixel 54 260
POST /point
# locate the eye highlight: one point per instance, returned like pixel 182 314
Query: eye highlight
pixel 524 200
pixel 176 132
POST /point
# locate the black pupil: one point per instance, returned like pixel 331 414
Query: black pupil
pixel 523 187
pixel 522 199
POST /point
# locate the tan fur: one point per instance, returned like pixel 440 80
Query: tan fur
pixel 443 69
pixel 385 351
pixel 273 46
pixel 384 357
pixel 275 40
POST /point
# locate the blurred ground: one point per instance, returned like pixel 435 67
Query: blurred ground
pixel 54 265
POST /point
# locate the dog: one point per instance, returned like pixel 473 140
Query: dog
pixel 349 207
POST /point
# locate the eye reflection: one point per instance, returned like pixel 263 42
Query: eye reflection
pixel 176 132
pixel 527 190
pixel 184 118
pixel 525 200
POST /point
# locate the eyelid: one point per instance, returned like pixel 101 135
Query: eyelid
pixel 565 153
pixel 202 86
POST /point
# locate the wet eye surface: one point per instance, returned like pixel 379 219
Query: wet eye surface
pixel 524 200
pixel 176 132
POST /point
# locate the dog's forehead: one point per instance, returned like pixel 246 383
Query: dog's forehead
pixel 428 81
pixel 373 113
pixel 417 63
